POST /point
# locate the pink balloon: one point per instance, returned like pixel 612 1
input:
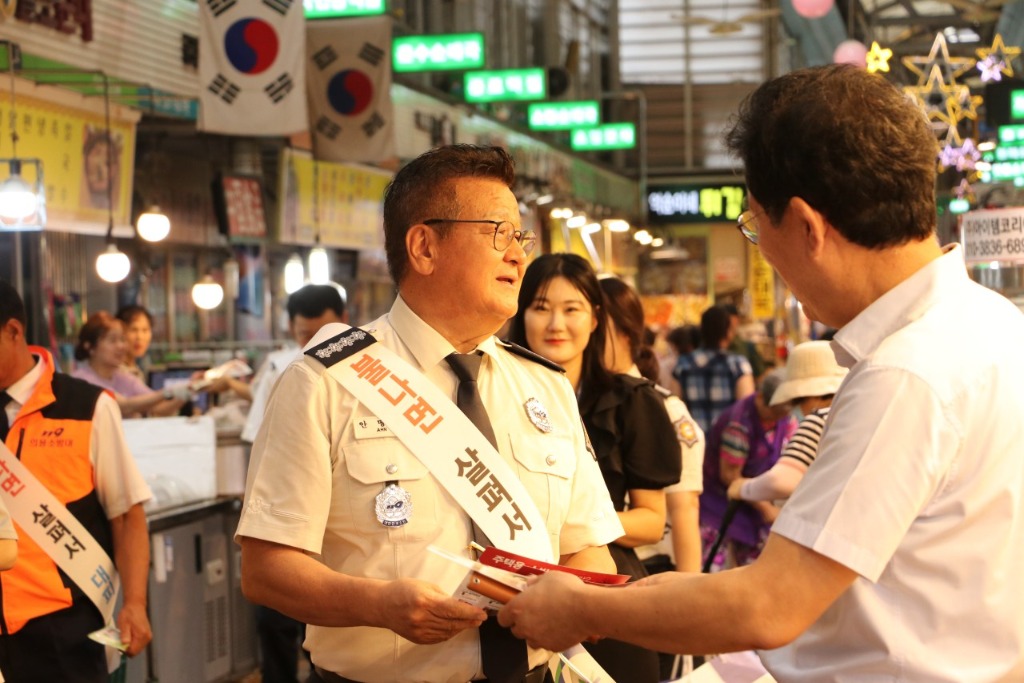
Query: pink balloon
pixel 812 9
pixel 851 52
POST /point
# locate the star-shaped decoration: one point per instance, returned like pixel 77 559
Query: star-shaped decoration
pixel 964 191
pixel 938 57
pixel 991 69
pixel 963 157
pixel 965 105
pixel 878 58
pixel 998 60
pixel 938 101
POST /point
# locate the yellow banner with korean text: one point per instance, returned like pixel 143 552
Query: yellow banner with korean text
pixel 348 209
pixel 761 279
pixel 83 166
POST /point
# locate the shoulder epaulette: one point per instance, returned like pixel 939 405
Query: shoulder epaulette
pixel 530 355
pixel 340 346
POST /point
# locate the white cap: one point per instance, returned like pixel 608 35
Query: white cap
pixel 810 371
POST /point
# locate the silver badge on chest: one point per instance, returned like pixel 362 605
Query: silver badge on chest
pixel 538 415
pixel 393 506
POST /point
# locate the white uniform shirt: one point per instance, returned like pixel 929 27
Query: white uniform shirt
pixel 119 485
pixel 314 477
pixel 262 383
pixel 918 488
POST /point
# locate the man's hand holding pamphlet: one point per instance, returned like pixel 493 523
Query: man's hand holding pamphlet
pixel 497 575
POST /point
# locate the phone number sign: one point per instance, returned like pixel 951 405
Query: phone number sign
pixel 993 235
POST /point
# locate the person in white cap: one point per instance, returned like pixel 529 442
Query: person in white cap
pixel 812 378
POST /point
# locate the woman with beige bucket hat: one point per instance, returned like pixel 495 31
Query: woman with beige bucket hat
pixel 812 379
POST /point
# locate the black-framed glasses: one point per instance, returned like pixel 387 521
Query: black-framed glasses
pixel 748 225
pixel 504 232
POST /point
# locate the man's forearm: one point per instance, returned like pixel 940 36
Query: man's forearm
pixel 131 553
pixel 593 558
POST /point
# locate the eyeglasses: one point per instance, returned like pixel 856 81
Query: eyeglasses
pixel 747 224
pixel 504 232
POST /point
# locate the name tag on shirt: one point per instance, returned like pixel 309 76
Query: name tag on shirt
pixel 371 428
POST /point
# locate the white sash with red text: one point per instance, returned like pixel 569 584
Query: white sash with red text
pixel 430 425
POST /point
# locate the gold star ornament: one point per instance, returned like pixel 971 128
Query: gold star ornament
pixel 998 58
pixel 878 58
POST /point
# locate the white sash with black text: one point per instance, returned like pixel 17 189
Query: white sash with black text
pixel 61 536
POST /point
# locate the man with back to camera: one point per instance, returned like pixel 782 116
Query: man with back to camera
pixel 329 478
pixel 309 308
pixel 67 433
pixel 898 556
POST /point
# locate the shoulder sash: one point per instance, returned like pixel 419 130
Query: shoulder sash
pixel 69 544
pixel 430 425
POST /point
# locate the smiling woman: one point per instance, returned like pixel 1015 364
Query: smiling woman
pixel 101 344
pixel 562 316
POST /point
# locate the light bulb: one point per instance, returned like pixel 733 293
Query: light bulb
pixel 319 268
pixel 18 200
pixel 113 265
pixel 206 293
pixel 153 226
pixel 294 274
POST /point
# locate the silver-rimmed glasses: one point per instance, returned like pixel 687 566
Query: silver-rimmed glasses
pixel 504 232
pixel 747 224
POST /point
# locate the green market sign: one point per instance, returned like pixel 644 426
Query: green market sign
pixel 334 9
pixel 608 136
pixel 695 203
pixel 507 85
pixel 1017 104
pixel 438 53
pixel 1011 135
pixel 563 115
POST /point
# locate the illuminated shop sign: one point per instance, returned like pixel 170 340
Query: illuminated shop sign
pixel 1009 135
pixel 333 9
pixel 608 136
pixel 438 53
pixel 695 203
pixel 563 115
pixel 507 85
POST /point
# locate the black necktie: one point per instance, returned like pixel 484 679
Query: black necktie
pixel 5 424
pixel 504 656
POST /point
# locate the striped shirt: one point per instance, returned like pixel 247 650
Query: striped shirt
pixel 803 447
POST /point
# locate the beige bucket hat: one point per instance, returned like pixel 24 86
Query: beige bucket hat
pixel 810 371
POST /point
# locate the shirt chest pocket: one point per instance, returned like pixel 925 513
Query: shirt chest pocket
pixel 546 464
pixel 387 491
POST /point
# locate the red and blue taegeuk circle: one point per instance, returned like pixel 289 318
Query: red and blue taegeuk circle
pixel 350 92
pixel 251 45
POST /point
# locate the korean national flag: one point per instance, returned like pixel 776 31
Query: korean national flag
pixel 349 80
pixel 251 58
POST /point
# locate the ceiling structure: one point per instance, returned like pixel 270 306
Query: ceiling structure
pixel 697 59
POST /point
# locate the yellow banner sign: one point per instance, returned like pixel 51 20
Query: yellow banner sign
pixel 349 203
pixel 762 285
pixel 73 145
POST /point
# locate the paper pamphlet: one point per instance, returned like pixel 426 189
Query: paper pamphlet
pixel 110 636
pixel 498 575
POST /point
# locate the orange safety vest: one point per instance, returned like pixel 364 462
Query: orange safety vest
pixel 51 435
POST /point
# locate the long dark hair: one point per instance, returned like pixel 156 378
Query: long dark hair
pixel 578 272
pixel 627 312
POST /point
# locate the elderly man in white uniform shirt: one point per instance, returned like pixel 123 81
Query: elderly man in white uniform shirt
pixel 899 556
pixel 378 603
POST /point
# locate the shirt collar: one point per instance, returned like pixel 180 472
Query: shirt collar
pixel 900 306
pixel 21 391
pixel 425 343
